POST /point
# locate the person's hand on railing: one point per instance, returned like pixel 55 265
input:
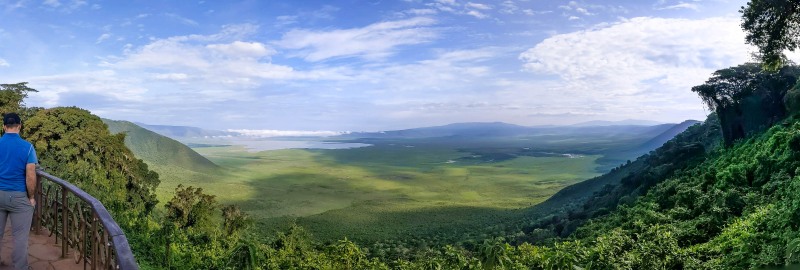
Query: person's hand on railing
pixel 33 201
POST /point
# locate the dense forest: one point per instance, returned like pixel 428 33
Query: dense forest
pixel 724 194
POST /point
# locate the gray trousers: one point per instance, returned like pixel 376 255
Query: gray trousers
pixel 16 206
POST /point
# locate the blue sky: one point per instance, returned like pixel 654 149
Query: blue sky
pixel 369 65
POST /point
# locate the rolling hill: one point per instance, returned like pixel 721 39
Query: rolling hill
pixel 159 151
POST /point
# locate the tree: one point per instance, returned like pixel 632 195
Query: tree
pixel 773 26
pixel 77 146
pixel 747 99
pixel 234 220
pixel 12 96
pixel 191 208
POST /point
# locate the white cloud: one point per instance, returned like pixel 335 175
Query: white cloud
pixel 478 6
pixel 446 2
pixel 4 63
pixel 239 49
pixel 421 11
pixel 618 63
pixel 102 38
pixel 682 6
pixel 213 68
pixel 65 7
pixel 234 63
pixel 373 41
pixel 477 10
pixel 172 76
pixel 105 83
pixel 477 14
pixel 585 9
pixel 166 54
pixel 509 7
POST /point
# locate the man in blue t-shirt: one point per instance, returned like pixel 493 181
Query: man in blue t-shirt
pixel 17 187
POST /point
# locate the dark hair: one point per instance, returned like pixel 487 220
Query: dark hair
pixel 11 120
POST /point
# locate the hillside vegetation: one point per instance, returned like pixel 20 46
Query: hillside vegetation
pixel 156 149
pixel 167 157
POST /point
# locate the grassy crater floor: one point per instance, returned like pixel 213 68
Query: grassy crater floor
pixel 378 192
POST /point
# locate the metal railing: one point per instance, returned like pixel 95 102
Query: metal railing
pixel 80 223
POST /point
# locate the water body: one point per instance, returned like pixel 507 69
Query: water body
pixel 258 145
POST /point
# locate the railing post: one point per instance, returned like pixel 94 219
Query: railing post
pixel 95 241
pixel 64 216
pixel 37 210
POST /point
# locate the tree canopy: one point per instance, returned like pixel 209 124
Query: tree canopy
pixel 746 98
pixel 773 26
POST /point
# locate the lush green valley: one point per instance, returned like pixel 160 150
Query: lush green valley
pixel 721 194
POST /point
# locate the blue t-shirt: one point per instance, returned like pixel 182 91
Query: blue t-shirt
pixel 15 154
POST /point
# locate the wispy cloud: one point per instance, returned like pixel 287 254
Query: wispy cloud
pixel 285 20
pixel 416 12
pixel 374 41
pixel 241 49
pixel 477 10
pixel 70 6
pixel 573 10
pixel 13 5
pixel 478 6
pixel 682 5
pixel 181 19
pixel 102 38
pixel 4 63
pixel 172 76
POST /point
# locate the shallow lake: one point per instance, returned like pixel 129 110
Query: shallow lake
pixel 257 145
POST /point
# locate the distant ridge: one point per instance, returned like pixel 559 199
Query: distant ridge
pixel 185 131
pixel 667 135
pixel 498 129
pixel 626 122
pixel 158 151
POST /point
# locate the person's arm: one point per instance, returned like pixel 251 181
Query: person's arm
pixel 30 181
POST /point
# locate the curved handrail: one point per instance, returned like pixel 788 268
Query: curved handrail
pixel 122 257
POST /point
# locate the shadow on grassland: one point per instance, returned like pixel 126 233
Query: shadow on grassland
pixel 425 153
pixel 373 221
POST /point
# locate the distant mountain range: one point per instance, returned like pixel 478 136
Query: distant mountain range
pixel 479 129
pixel 626 122
pixel 159 147
pixel 500 129
pixel 185 132
pixel 668 134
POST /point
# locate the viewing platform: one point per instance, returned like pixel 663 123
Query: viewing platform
pixel 43 253
pixel 71 230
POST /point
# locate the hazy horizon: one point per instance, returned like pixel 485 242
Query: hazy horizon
pixel 340 66
pixel 269 133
